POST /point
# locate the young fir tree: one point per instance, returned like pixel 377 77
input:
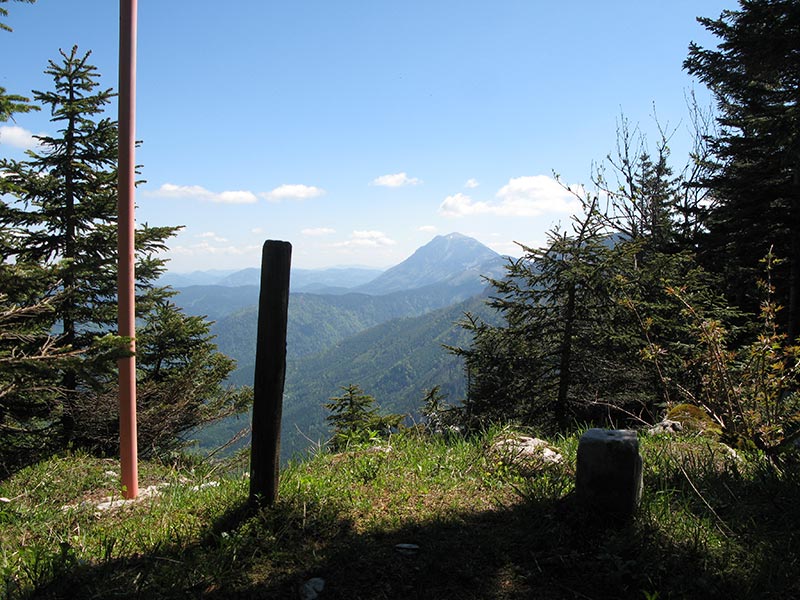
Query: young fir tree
pixel 64 210
pixel 180 387
pixel 560 349
pixel 60 216
pixel 754 74
pixel 354 416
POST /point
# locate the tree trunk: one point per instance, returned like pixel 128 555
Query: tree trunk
pixel 565 358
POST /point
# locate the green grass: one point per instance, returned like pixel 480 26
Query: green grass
pixel 710 526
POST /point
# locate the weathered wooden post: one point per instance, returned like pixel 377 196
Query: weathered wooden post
pixel 273 306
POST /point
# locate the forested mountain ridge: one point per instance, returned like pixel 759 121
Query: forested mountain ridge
pixel 391 344
pixel 396 362
pixel 317 321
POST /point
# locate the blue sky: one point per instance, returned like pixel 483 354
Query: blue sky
pixel 358 130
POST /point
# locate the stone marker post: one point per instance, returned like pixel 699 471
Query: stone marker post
pixel 273 307
pixel 608 480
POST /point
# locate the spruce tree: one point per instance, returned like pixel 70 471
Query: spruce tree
pixel 59 220
pixel 63 213
pixel 354 417
pixel 590 329
pixel 561 346
pixel 754 74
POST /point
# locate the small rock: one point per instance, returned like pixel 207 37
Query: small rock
pixel 666 426
pixel 407 549
pixel 205 485
pixel 312 588
pixel 526 451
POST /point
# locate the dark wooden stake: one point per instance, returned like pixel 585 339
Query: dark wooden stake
pixel 273 306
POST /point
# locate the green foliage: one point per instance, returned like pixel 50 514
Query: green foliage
pixel 569 348
pixel 58 245
pixel 590 332
pixel 180 387
pixel 751 390
pixel 60 213
pixel 355 419
pixel 11 104
pixel 29 386
pixel 753 170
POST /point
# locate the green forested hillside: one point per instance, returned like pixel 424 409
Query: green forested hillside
pixel 396 362
pixel 318 321
pixel 216 301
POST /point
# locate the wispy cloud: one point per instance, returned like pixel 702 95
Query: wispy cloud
pixel 292 191
pixel 170 190
pixel 366 239
pixel 471 184
pixel 210 235
pixel 529 196
pixel 428 228
pixel 207 248
pixel 395 180
pixel 17 137
pixel 317 231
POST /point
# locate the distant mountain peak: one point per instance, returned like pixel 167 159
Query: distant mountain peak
pixel 444 258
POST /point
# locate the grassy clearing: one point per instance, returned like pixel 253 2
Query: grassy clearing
pixel 710 526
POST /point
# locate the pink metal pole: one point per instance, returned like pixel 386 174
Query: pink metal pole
pixel 125 245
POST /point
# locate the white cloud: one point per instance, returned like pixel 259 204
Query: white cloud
pixel 461 205
pixel 317 231
pixel 17 137
pixel 210 235
pixel 395 180
pixel 294 191
pixel 529 196
pixel 170 190
pixel 257 230
pixel 428 228
pixel 235 197
pixel 471 184
pixel 370 239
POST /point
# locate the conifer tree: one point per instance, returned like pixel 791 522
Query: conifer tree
pixel 563 342
pixel 353 415
pixel 754 74
pixel 586 316
pixel 59 221
pixel 64 212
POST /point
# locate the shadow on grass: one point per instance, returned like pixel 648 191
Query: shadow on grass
pixel 748 548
